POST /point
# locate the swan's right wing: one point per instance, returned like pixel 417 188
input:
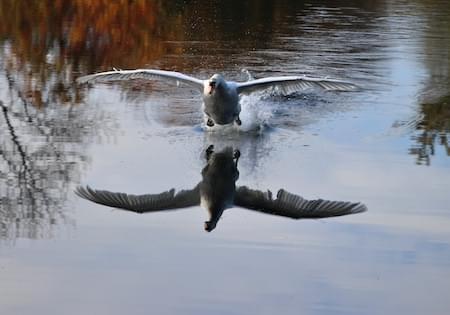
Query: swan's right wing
pixel 293 206
pixel 142 203
pixel 291 84
pixel 147 74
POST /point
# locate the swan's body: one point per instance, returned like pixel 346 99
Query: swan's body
pixel 220 97
pixel 221 102
pixel 217 192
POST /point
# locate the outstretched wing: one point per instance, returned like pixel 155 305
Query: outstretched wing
pixel 293 206
pixel 148 74
pixel 291 84
pixel 142 203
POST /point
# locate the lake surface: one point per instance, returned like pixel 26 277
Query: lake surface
pixel 386 145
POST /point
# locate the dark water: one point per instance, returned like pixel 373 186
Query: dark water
pixel 386 145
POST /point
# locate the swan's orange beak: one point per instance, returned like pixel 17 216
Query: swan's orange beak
pixel 211 87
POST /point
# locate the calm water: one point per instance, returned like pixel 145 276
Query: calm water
pixel 386 145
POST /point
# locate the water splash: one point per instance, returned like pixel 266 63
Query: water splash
pixel 254 115
pixel 248 74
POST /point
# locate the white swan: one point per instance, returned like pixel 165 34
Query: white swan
pixel 221 97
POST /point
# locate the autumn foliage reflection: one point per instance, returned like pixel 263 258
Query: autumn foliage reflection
pixel 46 44
pixel 90 33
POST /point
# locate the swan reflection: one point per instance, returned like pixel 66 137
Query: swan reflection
pixel 217 192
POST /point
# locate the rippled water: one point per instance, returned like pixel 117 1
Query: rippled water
pixel 386 145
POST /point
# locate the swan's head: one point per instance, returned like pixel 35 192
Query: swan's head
pixel 215 212
pixel 218 206
pixel 215 82
pixel 210 225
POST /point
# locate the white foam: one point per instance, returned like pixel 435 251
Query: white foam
pixel 254 117
pixel 254 113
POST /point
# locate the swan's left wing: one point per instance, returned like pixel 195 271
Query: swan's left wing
pixel 147 74
pixel 293 206
pixel 291 84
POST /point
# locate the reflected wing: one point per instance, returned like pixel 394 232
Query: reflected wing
pixel 288 85
pixel 148 74
pixel 293 206
pixel 142 203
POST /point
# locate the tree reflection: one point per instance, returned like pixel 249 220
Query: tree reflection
pixel 43 47
pixel 41 155
pixel 45 44
pixel 432 129
pixel 84 32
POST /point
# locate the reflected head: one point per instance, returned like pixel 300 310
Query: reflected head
pixel 209 226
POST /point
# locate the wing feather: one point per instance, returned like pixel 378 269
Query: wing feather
pixel 294 206
pixel 147 74
pixel 290 84
pixel 141 203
